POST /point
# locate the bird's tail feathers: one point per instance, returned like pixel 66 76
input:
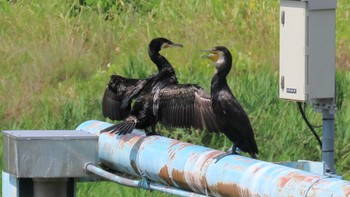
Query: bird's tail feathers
pixel 122 128
pixel 108 129
pixel 125 127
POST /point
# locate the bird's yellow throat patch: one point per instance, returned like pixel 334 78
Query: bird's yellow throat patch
pixel 213 56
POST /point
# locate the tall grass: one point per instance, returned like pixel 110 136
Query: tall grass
pixel 56 58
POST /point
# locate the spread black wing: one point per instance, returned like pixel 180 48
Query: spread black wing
pixel 117 98
pixel 185 105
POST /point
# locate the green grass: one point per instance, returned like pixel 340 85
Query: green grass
pixel 54 57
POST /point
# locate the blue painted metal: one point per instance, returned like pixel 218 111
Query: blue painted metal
pixel 315 167
pixel 111 177
pixel 193 168
pixel 136 183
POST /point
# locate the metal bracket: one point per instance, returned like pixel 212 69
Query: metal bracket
pixel 144 183
pixel 324 104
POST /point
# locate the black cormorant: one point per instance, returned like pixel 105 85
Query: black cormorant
pixel 230 115
pixel 121 92
pixel 188 105
pixel 160 98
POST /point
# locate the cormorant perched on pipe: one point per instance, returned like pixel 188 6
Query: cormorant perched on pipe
pixel 160 98
pixel 120 93
pixel 230 115
pixel 188 105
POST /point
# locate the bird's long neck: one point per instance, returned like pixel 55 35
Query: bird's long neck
pixel 219 81
pixel 160 61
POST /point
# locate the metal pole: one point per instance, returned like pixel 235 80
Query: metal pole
pixel 54 187
pixel 328 139
pixel 194 168
pixel 111 177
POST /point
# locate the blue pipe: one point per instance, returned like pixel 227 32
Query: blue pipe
pixel 89 167
pixel 193 168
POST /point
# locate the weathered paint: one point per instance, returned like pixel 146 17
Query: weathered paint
pixel 136 183
pixel 193 168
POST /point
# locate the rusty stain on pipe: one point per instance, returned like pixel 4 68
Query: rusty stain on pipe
pixel 193 168
pixel 136 183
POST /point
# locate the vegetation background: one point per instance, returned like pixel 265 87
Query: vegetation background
pixel 56 58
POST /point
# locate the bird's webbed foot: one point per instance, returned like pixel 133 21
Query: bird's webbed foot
pixel 153 132
pixel 148 133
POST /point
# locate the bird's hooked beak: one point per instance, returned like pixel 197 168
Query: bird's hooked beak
pixel 212 55
pixel 167 45
pixel 176 45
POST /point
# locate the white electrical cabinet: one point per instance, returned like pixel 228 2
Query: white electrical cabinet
pixel 307 49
